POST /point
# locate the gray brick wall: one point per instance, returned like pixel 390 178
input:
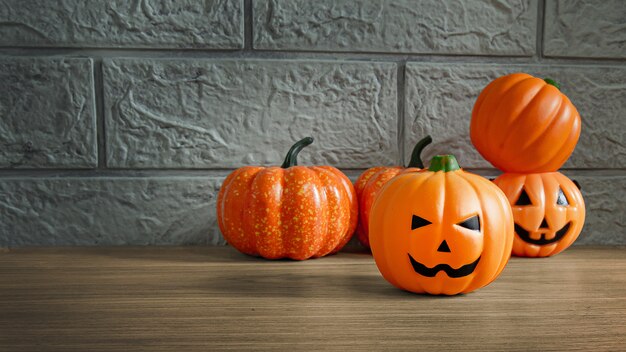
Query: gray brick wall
pixel 120 119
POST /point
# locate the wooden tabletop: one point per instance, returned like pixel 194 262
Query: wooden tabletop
pixel 208 299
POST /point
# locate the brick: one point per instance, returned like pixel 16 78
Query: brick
pixel 593 29
pixel 108 211
pixel 478 27
pixel 47 117
pixel 214 24
pixel 440 98
pixel 229 113
pixel 605 223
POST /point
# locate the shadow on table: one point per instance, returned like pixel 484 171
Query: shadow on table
pixel 239 275
pixel 311 284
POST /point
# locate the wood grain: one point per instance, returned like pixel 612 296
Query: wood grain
pixel 208 299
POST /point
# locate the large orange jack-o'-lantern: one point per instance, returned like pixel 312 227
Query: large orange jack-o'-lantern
pixel 548 209
pixel 441 230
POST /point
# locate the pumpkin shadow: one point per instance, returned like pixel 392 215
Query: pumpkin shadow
pixel 285 278
pixel 374 285
pixel 309 285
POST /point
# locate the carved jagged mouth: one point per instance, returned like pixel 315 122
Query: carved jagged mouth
pixel 451 272
pixel 525 236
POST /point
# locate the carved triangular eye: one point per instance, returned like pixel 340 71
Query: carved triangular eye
pixel 523 199
pixel 472 223
pixel 418 222
pixel 561 199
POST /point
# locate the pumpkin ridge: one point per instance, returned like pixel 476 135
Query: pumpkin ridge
pixel 240 182
pixel 548 181
pixel 513 126
pixel 327 234
pixel 488 124
pixel 362 181
pixel 367 201
pixel 360 188
pixel 571 139
pixel 247 209
pixel 426 176
pixel 345 185
pixel 300 233
pixel 554 118
pixel 335 239
pixel 281 202
pixel 504 206
pixel 573 136
pixel 399 184
pixel 323 233
pixel 463 176
pixel 474 282
pixel 529 105
pixel 479 124
pixel 577 204
pixel 220 198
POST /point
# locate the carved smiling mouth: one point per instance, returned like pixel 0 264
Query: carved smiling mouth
pixel 525 236
pixel 451 272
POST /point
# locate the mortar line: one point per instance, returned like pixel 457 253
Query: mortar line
pixel 248 23
pixel 541 9
pixel 181 172
pixel 401 96
pixel 99 101
pixel 173 53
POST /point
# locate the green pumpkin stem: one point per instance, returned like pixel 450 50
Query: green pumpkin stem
pixel 416 155
pixel 552 82
pixel 444 163
pixel 292 155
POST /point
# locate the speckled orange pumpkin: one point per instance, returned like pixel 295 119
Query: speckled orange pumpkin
pixel 548 209
pixel 372 180
pixel 441 230
pixel 291 211
pixel 524 124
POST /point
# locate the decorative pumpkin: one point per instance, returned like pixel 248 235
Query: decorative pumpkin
pixel 291 211
pixel 372 180
pixel 548 209
pixel 524 124
pixel 441 230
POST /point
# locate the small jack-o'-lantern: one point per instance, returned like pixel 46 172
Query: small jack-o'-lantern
pixel 548 209
pixel 441 230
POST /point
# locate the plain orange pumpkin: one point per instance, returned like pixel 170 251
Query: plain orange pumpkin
pixel 548 209
pixel 373 179
pixel 524 124
pixel 295 212
pixel 441 231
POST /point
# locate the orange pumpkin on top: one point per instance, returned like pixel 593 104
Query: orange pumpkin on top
pixel 524 124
